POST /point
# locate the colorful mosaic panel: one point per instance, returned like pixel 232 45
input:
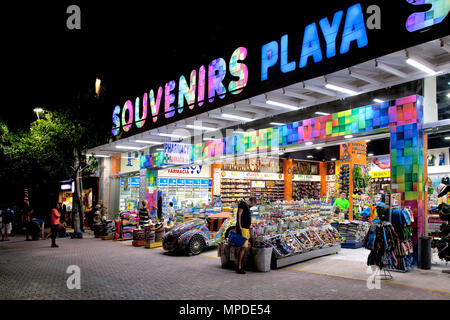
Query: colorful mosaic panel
pixel 127 108
pixel 151 190
pixel 169 99
pixel 217 70
pixel 154 104
pixel 421 20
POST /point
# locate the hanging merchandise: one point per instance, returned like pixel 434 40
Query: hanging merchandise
pixel 344 179
pixel 389 249
pixel 359 184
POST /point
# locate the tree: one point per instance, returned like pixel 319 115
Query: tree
pixel 52 149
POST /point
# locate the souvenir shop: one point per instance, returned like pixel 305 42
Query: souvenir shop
pixel 267 110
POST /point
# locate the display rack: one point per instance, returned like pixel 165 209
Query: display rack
pixel 128 223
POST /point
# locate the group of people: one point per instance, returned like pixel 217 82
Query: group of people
pixel 12 219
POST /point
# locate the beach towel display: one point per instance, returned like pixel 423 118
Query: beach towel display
pixel 129 222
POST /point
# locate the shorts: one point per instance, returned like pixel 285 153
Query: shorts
pixel 246 234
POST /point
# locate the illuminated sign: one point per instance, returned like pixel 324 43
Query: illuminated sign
pixel 311 51
pixel 435 14
pixel 177 153
pixel 335 39
pixel 203 87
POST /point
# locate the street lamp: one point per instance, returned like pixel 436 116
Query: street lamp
pixel 37 111
pixel 97 86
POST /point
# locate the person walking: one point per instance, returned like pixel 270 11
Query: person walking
pixel 54 224
pixel 243 223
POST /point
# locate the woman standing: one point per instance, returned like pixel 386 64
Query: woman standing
pixel 144 213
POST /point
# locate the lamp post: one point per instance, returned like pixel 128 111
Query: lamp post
pixel 37 111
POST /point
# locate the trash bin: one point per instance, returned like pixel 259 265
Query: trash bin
pixel 425 253
pixel 262 258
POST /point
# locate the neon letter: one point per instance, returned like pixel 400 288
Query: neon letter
pixel 186 92
pixel 116 121
pixel 169 98
pixel 354 29
pixel 216 72
pixel 128 106
pixel 155 105
pixel 201 85
pixel 311 46
pixel 239 70
pixel 285 65
pixel 330 32
pixel 140 121
pixel 269 56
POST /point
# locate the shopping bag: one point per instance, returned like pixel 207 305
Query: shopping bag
pixel 236 239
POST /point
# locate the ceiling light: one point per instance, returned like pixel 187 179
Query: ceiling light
pixel 97 155
pixel 309 156
pixel 340 89
pixel 447 138
pixel 420 66
pixel 322 113
pixel 283 105
pixel 210 139
pixel 171 135
pixel 370 154
pixel 276 123
pixel 190 126
pixel 448 95
pixel 349 136
pixel 319 148
pixel 333 159
pixel 308 143
pixel 160 149
pixel 149 142
pixel 232 116
pixel 378 100
pixel 368 140
pixel 129 148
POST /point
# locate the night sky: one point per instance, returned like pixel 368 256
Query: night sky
pixel 131 46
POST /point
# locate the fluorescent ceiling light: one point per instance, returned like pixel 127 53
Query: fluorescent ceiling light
pixel 447 138
pixel 129 148
pixel 149 142
pixel 448 95
pixel 416 64
pixel 308 143
pixel 283 105
pixel 309 156
pixel 322 113
pixel 97 155
pixel 210 139
pixel 370 154
pixel 368 140
pixel 276 123
pixel 159 149
pixel 333 159
pixel 171 135
pixel 191 126
pixel 378 100
pixel 319 148
pixel 232 116
pixel 340 89
pixel 349 136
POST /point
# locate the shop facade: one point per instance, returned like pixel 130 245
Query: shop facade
pixel 278 77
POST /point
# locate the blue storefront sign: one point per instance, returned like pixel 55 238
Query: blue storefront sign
pixel 181 182
pixel 189 182
pixel 163 182
pixel 172 182
pixel 205 183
